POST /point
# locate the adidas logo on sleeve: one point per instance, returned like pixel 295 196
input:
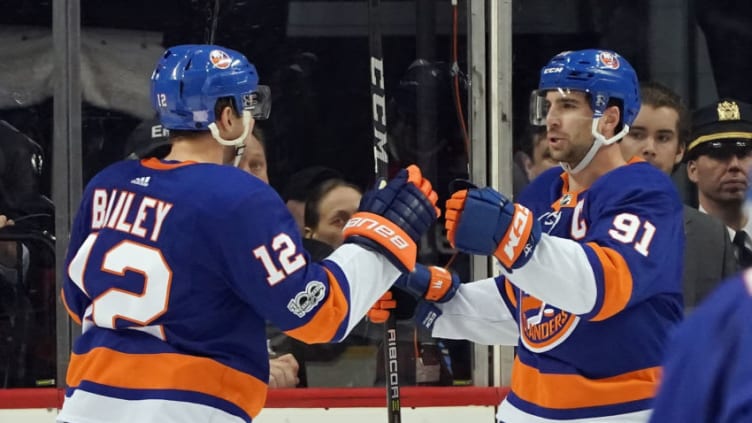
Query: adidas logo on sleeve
pixel 142 181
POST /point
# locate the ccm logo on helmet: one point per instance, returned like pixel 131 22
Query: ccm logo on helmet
pixel 378 228
pixel 521 218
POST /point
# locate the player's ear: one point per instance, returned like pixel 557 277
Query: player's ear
pixel 308 233
pixel 225 118
pixel 609 120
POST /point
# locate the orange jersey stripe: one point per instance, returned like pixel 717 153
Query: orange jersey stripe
pixel 168 371
pixel 154 163
pixel 617 284
pixel 568 198
pixel 323 326
pixel 567 391
pixel 70 312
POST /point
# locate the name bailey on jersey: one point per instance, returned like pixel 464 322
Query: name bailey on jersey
pixel 111 209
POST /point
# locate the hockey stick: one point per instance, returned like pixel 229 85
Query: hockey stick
pixel 211 28
pixel 381 162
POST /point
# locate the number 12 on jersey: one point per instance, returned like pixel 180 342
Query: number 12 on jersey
pixel 287 256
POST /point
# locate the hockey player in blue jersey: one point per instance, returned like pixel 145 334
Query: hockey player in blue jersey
pixel 707 375
pixel 591 258
pixel 175 265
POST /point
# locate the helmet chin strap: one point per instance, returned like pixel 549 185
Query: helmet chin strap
pixel 238 155
pixel 599 141
pixel 239 142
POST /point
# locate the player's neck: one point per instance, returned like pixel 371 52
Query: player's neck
pixel 732 215
pixel 202 150
pixel 606 159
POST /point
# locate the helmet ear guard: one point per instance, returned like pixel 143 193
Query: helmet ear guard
pixel 259 102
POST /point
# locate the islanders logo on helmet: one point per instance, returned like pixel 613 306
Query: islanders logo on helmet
pixel 609 60
pixel 220 59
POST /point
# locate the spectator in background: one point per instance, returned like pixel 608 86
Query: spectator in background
pixel 718 160
pixel 539 160
pixel 300 185
pixel 253 160
pixel 329 206
pixel 149 139
pixel 659 135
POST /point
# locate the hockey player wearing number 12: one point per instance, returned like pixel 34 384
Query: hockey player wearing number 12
pixel 175 265
pixel 592 258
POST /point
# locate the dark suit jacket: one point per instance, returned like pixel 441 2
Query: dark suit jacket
pixel 708 255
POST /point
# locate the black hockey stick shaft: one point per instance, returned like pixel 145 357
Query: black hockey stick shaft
pixel 211 30
pixel 381 164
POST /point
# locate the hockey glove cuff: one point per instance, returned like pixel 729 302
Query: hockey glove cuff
pixel 431 283
pixel 426 314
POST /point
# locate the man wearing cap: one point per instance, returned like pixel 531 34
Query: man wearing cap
pixel 718 159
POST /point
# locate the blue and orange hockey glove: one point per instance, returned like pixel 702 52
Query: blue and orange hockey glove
pixel 430 283
pixel 484 222
pixel 391 219
pixel 379 312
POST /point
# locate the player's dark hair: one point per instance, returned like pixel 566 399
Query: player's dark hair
pixel 658 95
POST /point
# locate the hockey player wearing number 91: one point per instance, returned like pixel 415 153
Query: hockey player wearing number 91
pixel 173 279
pixel 591 257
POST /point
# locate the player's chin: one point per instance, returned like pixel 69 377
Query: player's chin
pixel 558 154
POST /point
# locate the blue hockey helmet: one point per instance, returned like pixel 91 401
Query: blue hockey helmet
pixel 189 79
pixel 603 74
